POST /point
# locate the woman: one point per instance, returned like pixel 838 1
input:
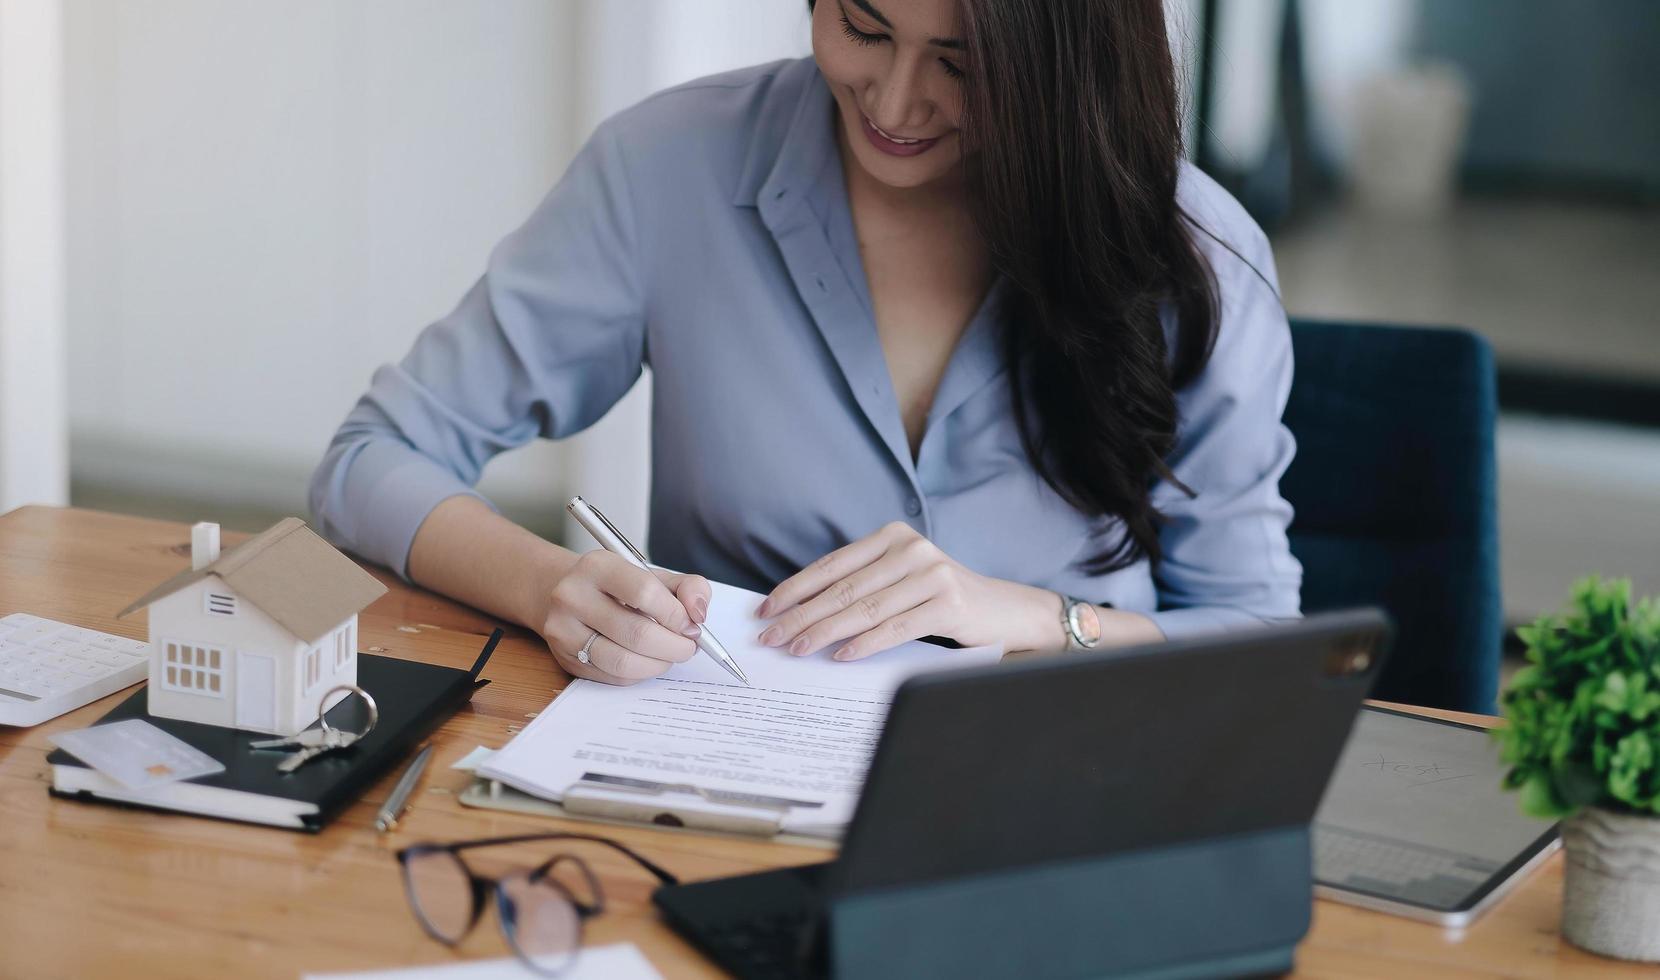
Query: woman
pixel 943 334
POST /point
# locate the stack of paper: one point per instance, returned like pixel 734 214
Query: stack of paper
pixel 795 745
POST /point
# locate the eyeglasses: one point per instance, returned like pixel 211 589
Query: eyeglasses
pixel 540 914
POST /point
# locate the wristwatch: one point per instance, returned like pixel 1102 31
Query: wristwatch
pixel 1081 622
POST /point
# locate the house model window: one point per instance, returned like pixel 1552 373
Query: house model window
pixel 197 670
pixel 345 644
pixel 252 638
pixel 313 668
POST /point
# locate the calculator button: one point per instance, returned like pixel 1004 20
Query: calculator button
pixel 41 684
pixel 34 633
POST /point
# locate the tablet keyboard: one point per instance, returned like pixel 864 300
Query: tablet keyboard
pixel 767 948
pixel 48 668
pixel 1395 869
pixel 764 926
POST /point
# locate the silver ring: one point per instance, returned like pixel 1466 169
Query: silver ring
pixel 374 709
pixel 582 656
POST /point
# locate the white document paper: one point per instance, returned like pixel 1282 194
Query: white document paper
pixel 621 961
pixel 799 740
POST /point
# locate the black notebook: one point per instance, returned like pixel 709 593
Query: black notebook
pixel 414 699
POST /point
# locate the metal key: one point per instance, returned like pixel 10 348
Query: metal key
pixel 334 739
pixel 309 738
pixel 309 744
pixel 313 742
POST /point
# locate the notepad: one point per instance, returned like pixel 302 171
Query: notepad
pixel 792 749
pixel 414 699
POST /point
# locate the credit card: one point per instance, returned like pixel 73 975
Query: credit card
pixel 137 754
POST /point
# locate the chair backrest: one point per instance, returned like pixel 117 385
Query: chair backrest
pixel 1394 485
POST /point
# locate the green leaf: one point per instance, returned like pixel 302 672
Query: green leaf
pixel 1527 677
pixel 1601 752
pixel 1539 800
pixel 1646 706
pixel 1633 759
pixel 1577 785
pixel 1615 691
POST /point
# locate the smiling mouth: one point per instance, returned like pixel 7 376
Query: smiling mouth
pixel 890 137
pixel 897 146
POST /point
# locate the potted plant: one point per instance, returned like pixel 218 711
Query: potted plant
pixel 1583 742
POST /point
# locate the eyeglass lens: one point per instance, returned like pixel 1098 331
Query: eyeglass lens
pixel 441 893
pixel 540 921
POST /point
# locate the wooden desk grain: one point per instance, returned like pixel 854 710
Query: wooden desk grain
pixel 92 891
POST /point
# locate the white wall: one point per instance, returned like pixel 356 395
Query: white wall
pixel 34 445
pixel 269 200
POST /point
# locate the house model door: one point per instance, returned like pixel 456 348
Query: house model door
pixel 256 692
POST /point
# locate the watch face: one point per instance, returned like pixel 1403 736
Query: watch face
pixel 1086 624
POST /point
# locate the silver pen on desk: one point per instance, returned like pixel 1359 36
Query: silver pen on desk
pixel 612 540
pixel 388 816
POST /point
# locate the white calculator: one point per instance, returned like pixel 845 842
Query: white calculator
pixel 47 667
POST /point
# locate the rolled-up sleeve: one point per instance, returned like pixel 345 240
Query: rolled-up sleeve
pixel 548 339
pixel 1227 561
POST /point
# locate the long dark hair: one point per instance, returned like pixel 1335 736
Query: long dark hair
pixel 1072 143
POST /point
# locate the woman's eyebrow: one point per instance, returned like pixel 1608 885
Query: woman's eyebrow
pixel 939 42
pixel 873 12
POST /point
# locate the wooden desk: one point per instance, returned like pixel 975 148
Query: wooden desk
pixel 89 890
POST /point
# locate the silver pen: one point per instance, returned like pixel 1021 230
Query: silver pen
pixel 388 816
pixel 612 540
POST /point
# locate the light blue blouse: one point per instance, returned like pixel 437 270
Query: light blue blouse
pixel 706 232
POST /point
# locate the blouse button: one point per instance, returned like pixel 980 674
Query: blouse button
pixel 913 507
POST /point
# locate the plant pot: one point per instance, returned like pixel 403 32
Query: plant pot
pixel 1611 892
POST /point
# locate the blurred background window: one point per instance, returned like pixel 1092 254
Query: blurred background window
pixel 1489 164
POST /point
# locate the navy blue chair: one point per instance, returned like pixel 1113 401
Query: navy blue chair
pixel 1394 484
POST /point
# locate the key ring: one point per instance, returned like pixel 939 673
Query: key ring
pixel 374 709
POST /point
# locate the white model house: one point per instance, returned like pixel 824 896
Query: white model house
pixel 252 639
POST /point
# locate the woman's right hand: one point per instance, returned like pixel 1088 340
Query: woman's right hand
pixel 604 593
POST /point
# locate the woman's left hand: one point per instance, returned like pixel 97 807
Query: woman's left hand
pixel 896 585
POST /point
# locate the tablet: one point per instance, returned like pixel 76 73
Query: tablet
pixel 1415 821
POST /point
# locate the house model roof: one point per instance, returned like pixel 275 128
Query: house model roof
pixel 290 573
